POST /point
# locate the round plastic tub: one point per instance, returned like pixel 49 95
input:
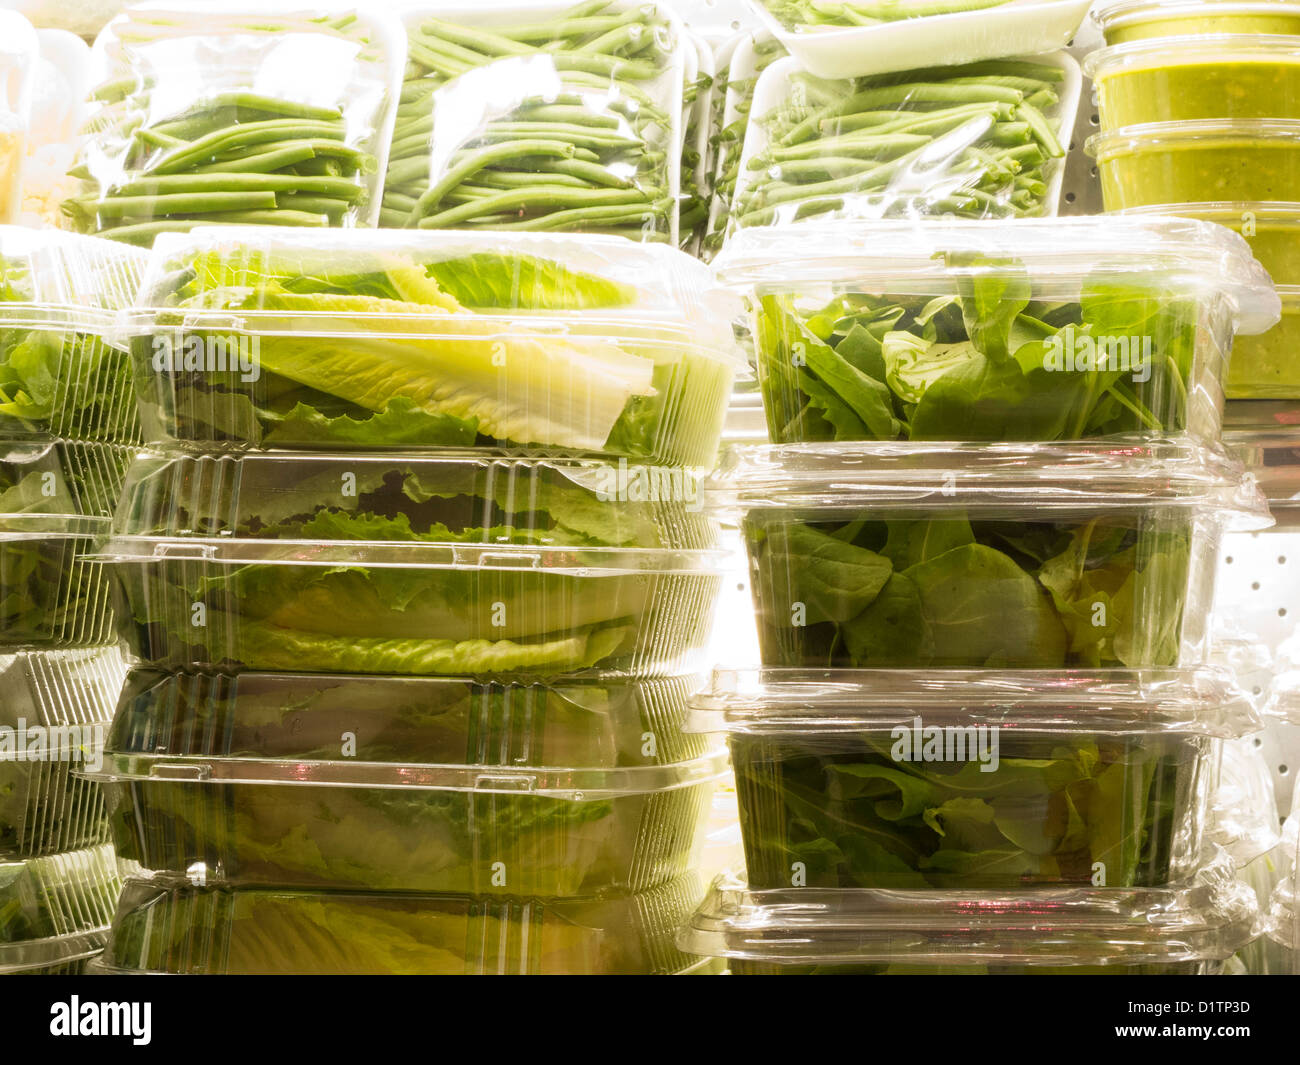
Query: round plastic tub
pixel 1198 162
pixel 1134 20
pixel 1191 78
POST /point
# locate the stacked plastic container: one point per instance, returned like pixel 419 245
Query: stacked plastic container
pixel 415 582
pixel 67 433
pixel 1199 106
pixel 982 545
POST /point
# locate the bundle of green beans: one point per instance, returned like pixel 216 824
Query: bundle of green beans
pixel 595 157
pixel 693 214
pixel 794 13
pixel 235 156
pixel 968 142
pixel 729 144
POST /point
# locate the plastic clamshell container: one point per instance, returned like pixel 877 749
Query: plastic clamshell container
pixel 55 910
pixel 983 780
pixel 59 371
pixel 577 788
pixel 938 174
pixel 1212 160
pixel 1193 78
pixel 163 926
pixel 54 718
pixel 538 343
pixel 905 329
pixel 434 564
pixel 53 504
pixel 840 49
pixel 1134 20
pixel 1189 927
pixel 952 556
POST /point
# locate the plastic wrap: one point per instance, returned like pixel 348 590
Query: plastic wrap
pixel 540 116
pixel 279 116
pixel 982 141
pixel 541 344
pixel 698 111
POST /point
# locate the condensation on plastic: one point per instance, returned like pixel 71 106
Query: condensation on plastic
pixel 1244 808
pixel 165 927
pixel 586 565
pixel 1207 917
pixel 602 347
pixel 57 706
pixel 1249 159
pixel 839 46
pixel 331 73
pixel 1222 76
pixel 577 788
pixel 1133 20
pixel 949 173
pixel 475 79
pixel 57 908
pixel 19 53
pixel 60 372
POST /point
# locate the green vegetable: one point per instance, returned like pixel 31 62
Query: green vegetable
pixel 812 13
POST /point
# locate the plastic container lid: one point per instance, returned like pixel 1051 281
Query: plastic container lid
pixel 53 279
pixel 1058 254
pixel 1166 52
pixel 1116 14
pixel 56 909
pixel 1209 916
pixel 1202 133
pixel 1118 475
pixel 51 490
pixel 1110 701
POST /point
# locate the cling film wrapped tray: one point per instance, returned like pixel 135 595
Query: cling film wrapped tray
pixel 163 926
pixel 985 141
pixel 538 343
pixel 577 787
pixel 279 114
pixel 1035 330
pixel 540 116
pixel 438 564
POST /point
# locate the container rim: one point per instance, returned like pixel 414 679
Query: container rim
pixel 1112 15
pixel 1107 145
pixel 1191 49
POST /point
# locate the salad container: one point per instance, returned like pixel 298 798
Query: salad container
pixel 951 556
pixel 1135 20
pixel 537 343
pixel 53 721
pixel 551 116
pixel 1205 161
pixel 860 37
pixel 423 565
pixel 166 926
pixel 55 911
pixel 972 781
pixel 59 371
pixel 981 141
pixel 1192 927
pixel 572 788
pixel 1035 330
pixel 1192 78
pixel 279 113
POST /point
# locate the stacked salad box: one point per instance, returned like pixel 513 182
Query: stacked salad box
pixel 981 545
pixel 68 428
pixel 415 580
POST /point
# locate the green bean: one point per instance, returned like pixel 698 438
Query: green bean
pixel 237 136
pixel 117 206
pixel 477 161
pixel 525 198
pixel 339 188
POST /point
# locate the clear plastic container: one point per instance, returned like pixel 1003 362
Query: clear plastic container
pixel 1261 435
pixel 1037 329
pixel 860 37
pixel 414 565
pixel 170 927
pixel 576 788
pixel 1244 809
pixel 59 372
pixel 53 722
pixel 1208 161
pixel 1199 77
pixel 278 113
pixel 963 557
pixel 961 141
pixel 54 501
pixel 19 54
pixel 1193 926
pixel 55 911
pixel 579 106
pixel 1134 20
pixel 972 781
pixel 539 343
